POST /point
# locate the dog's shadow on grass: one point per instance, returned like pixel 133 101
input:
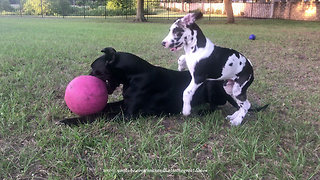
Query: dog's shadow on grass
pixel 119 116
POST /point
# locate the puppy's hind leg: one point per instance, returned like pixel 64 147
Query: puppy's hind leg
pixel 237 117
pixel 240 96
pixel 187 97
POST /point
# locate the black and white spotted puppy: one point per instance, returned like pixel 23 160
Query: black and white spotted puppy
pixel 207 61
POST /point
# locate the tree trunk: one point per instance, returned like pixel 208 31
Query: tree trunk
pixel 182 5
pixel 228 7
pixel 140 14
pixel 272 9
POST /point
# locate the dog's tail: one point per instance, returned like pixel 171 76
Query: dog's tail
pixel 257 109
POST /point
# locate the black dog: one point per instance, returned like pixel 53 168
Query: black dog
pixel 148 89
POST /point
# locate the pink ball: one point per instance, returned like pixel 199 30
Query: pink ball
pixel 86 95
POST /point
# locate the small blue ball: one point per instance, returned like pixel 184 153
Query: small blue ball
pixel 252 37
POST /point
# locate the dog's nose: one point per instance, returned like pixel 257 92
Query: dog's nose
pixel 164 43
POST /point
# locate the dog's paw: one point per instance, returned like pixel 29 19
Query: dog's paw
pixel 182 65
pixel 233 116
pixel 236 121
pixel 68 122
pixel 236 118
pixel 180 68
pixel 186 111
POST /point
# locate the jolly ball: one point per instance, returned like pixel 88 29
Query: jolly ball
pixel 86 95
pixel 252 37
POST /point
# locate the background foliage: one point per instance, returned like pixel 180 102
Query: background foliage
pixel 5 5
pixel 71 7
pixel 37 7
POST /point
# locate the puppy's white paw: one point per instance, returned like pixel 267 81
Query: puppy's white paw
pixel 186 111
pixel 237 117
pixel 182 65
pixel 180 68
pixel 236 121
pixel 233 116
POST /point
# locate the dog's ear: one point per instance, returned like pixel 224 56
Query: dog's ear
pixel 110 54
pixel 109 50
pixel 197 15
pixel 191 18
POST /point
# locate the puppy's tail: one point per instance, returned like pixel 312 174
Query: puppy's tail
pixel 257 109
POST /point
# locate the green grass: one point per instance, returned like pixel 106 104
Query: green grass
pixel 38 57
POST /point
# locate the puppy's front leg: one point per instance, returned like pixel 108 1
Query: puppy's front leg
pixel 182 65
pixel 187 97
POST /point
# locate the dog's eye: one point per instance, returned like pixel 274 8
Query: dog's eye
pixel 98 73
pixel 178 31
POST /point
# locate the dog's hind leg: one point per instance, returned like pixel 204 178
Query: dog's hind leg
pixel 237 117
pixel 187 97
pixel 239 93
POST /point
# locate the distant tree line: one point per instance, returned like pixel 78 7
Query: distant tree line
pixel 71 7
pixel 5 5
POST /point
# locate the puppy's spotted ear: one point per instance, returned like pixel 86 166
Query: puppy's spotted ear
pixel 110 54
pixel 191 18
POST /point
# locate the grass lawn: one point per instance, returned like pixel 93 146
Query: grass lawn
pixel 38 57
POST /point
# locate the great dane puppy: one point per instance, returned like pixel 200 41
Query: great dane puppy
pixel 207 61
pixel 148 89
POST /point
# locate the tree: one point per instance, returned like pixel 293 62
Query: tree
pixel 61 7
pixel 140 11
pixel 5 5
pixel 228 6
pixel 37 7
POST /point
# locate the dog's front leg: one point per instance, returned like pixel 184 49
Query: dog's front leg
pixel 182 65
pixel 187 97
